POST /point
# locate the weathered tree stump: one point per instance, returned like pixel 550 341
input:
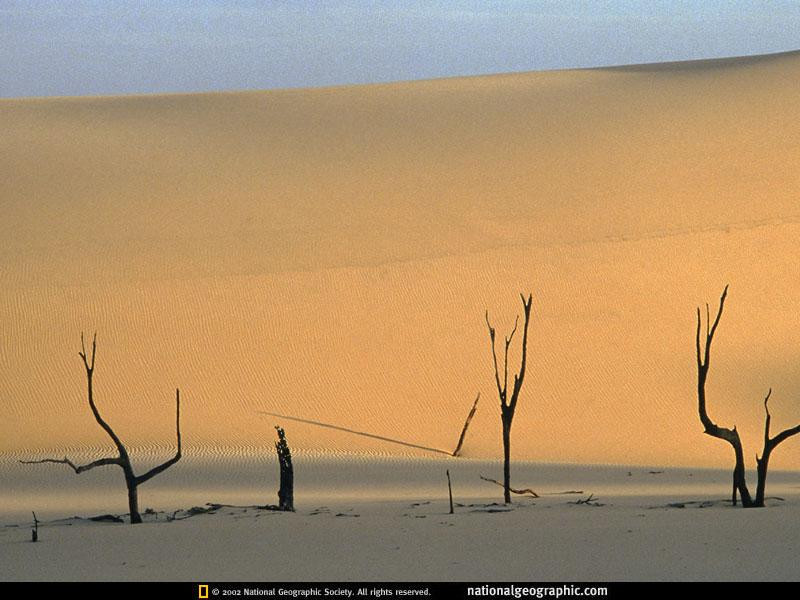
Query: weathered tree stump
pixel 286 490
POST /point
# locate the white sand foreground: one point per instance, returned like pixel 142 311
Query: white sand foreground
pixel 627 538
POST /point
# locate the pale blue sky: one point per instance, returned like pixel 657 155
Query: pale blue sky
pixel 78 47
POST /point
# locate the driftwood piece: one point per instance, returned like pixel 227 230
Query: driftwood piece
pixel 525 492
pixel 466 426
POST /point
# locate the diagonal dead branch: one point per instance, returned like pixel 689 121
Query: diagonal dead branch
pixel 466 425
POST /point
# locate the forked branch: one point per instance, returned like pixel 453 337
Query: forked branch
pixel 502 388
pixel 509 405
pixel 770 443
pixel 703 360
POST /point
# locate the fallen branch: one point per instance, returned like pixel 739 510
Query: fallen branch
pixel 525 492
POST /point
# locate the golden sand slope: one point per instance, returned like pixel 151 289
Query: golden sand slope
pixel 329 253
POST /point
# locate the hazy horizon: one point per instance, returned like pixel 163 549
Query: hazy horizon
pixel 99 48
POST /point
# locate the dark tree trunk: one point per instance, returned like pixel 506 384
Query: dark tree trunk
pixel 739 482
pixel 507 461
pixel 133 498
pixel 761 486
pixel 286 490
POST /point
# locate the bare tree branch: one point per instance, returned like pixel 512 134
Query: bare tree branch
pixel 710 428
pixel 524 360
pixel 767 418
pixel 500 389
pixel 167 464
pixel 102 462
pixel 783 435
pixel 89 365
pixel 505 358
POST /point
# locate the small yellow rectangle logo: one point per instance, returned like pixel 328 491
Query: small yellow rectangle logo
pixel 202 591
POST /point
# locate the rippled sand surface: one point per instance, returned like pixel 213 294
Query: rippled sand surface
pixel 329 254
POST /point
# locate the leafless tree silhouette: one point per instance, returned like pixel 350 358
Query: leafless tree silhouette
pixel 509 405
pixel 286 490
pixel 122 460
pixel 732 435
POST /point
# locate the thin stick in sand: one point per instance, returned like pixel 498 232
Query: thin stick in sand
pixel 361 433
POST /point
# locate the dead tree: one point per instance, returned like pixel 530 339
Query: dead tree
pixel 122 460
pixel 286 490
pixel 732 435
pixel 509 405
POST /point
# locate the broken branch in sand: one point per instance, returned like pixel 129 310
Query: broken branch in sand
pixel 590 500
pixel 525 492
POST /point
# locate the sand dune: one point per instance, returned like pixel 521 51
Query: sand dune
pixel 329 254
